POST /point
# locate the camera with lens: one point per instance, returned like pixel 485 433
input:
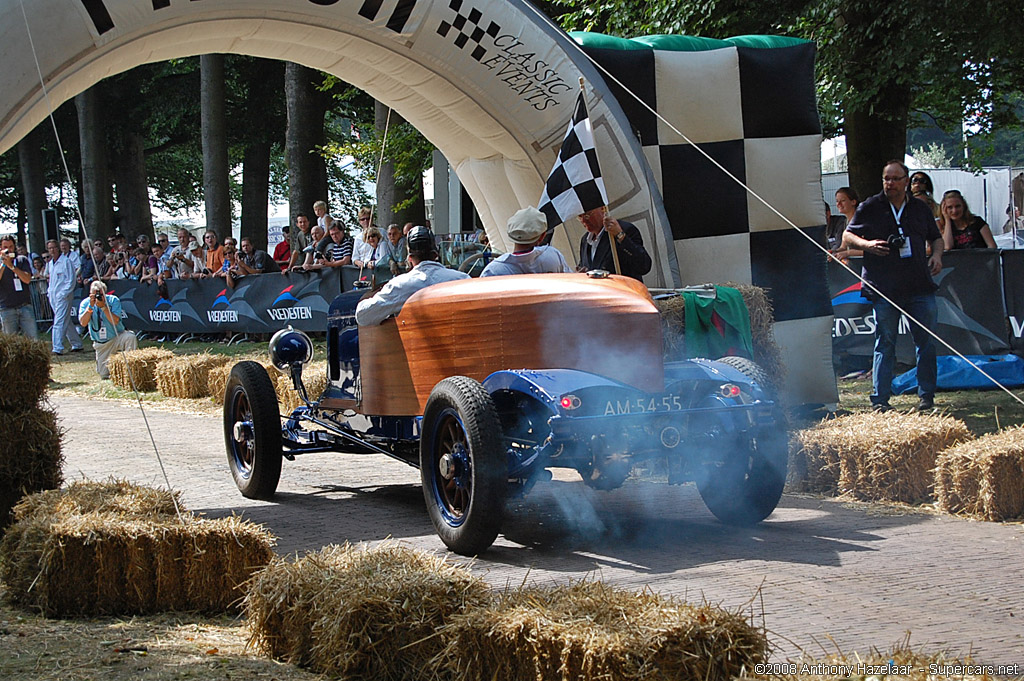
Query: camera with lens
pixel 896 241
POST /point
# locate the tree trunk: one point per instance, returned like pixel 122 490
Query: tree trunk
pixel 96 187
pixel 256 193
pixel 132 186
pixel 307 171
pixel 876 137
pixel 215 145
pixel 390 192
pixel 33 184
pixel 387 191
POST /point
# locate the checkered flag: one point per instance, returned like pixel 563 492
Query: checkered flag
pixel 575 184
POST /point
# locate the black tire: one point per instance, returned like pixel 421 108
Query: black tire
pixel 745 487
pixel 751 370
pixel 463 466
pixel 252 431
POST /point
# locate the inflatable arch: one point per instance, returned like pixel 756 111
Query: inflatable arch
pixel 492 85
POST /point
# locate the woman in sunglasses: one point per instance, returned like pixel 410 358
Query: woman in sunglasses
pixel 921 187
pixel 961 229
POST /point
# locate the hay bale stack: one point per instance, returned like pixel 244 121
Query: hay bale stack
pixel 358 613
pixel 187 376
pixel 30 440
pixel 983 478
pixel 123 554
pixel 591 631
pixel 25 367
pixel 877 457
pixel 31 459
pixel 138 366
pixel 762 330
pixel 314 380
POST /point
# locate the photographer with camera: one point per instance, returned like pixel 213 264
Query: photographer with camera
pixel 894 230
pixel 101 314
pixel 16 312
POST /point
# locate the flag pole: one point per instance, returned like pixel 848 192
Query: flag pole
pixel 611 240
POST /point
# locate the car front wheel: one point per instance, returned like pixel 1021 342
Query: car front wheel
pixel 462 465
pixel 252 431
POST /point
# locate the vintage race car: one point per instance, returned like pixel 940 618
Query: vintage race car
pixel 485 384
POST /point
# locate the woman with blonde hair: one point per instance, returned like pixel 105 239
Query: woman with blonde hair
pixel 961 229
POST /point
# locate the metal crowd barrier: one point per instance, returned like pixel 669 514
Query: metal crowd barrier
pixel 41 304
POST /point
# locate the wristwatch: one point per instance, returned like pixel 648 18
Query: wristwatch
pixel 620 237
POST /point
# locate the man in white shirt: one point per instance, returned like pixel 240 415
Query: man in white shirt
pixel 426 271
pixel 526 229
pixel 61 273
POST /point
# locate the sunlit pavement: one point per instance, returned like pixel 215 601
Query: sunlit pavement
pixel 821 575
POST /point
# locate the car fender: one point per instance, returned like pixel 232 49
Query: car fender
pixel 711 371
pixel 548 385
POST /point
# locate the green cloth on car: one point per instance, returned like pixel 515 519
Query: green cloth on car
pixel 702 338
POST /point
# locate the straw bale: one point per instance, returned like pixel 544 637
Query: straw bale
pixel 217 380
pixel 358 613
pixel 983 478
pixel 138 367
pixel 25 366
pixel 877 457
pixel 114 497
pixel 30 456
pixel 105 564
pixel 762 330
pixel 589 630
pixel 315 382
pixel 187 376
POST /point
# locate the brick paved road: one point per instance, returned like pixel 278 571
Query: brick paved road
pixel 831 575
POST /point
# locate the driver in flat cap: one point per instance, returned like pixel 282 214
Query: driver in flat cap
pixel 526 229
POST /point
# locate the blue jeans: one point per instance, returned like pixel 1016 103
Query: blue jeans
pixel 63 327
pixel 21 318
pixel 887 324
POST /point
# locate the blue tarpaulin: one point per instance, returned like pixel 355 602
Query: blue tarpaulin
pixel 956 374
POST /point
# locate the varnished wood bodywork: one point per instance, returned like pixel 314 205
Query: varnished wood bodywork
pixel 539 321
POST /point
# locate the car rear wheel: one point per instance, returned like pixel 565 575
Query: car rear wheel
pixel 252 431
pixel 744 486
pixel 462 465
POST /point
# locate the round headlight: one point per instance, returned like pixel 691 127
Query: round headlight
pixel 289 346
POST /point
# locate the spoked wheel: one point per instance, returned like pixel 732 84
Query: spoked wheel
pixel 462 465
pixel 252 431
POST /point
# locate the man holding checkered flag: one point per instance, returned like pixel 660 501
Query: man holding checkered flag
pixel 575 187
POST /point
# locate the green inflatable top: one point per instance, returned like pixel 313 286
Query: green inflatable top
pixel 682 43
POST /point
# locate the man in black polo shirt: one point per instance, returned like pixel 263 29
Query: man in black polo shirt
pixel 255 261
pixel 893 229
pixel 16 311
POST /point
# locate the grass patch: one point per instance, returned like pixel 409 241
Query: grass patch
pixel 984 411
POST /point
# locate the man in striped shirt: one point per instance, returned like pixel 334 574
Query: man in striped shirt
pixel 338 252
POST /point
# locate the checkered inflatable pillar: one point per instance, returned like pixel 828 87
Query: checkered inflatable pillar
pixel 750 104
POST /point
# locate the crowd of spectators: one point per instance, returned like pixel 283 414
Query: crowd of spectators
pixel 308 246
pixel 959 227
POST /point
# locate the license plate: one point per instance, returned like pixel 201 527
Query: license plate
pixel 644 405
